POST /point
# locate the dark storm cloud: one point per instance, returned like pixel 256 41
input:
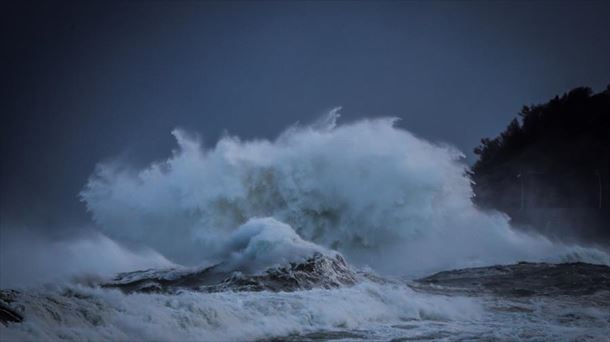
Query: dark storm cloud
pixel 87 81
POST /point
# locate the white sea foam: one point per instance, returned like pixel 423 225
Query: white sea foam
pixel 95 314
pixel 368 189
pixel 368 311
pixel 262 243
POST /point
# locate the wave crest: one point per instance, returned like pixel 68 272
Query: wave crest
pixel 375 192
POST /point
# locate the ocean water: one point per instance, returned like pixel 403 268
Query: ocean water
pixel 366 311
pixel 395 206
pixel 369 189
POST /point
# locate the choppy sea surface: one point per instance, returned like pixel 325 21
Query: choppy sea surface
pixel 270 223
pixel 321 299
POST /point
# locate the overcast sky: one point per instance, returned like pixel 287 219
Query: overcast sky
pixel 84 82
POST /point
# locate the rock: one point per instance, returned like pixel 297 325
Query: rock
pixel 8 314
pixel 319 271
pixel 521 280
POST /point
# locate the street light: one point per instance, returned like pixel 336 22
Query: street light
pixel 520 177
pixel 599 183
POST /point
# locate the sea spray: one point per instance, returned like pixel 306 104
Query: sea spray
pixel 261 209
pixel 369 189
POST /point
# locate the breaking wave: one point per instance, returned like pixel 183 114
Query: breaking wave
pixel 370 190
pixel 88 314
pixel 268 227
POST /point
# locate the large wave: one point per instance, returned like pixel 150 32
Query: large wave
pixel 369 189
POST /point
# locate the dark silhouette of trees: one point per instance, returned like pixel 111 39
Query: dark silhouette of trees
pixel 551 166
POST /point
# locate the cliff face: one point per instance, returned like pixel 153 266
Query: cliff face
pixel 551 169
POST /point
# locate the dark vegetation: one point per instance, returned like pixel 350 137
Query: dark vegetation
pixel 550 168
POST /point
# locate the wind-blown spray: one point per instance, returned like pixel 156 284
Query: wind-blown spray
pixel 373 191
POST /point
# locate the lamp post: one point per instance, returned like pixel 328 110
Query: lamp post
pixel 599 183
pixel 520 177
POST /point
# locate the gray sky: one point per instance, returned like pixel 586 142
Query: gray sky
pixel 84 81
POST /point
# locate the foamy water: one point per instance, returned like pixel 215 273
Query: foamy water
pixel 366 311
pixel 378 194
pixel 375 193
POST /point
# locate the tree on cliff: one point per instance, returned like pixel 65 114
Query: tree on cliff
pixel 556 155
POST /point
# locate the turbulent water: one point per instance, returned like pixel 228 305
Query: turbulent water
pixel 317 234
pixel 322 299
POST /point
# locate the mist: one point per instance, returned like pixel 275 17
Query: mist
pixel 29 259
